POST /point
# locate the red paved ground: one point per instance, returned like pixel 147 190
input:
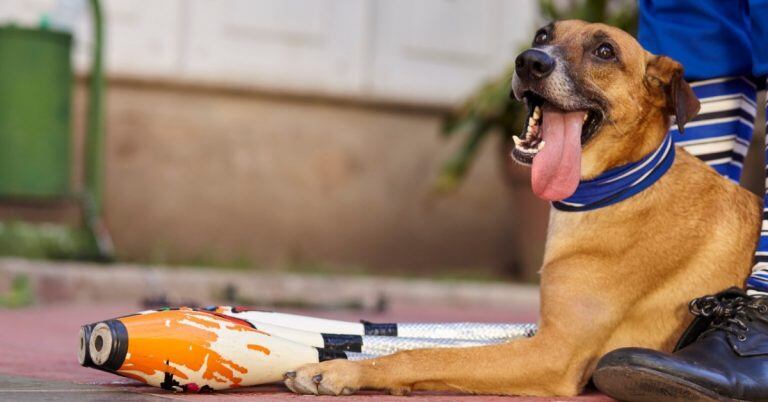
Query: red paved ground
pixel 41 343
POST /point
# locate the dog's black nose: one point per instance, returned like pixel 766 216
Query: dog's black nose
pixel 534 64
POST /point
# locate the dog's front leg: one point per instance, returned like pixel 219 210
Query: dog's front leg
pixel 576 322
pixel 542 365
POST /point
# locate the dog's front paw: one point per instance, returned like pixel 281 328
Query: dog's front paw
pixel 333 377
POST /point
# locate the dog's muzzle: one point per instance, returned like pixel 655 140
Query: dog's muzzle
pixel 534 64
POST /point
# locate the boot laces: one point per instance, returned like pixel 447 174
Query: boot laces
pixel 727 314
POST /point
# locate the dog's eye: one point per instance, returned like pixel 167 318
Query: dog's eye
pixel 605 52
pixel 541 37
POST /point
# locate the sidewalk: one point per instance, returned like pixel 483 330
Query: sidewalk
pixel 38 358
pixel 68 282
pixel 38 344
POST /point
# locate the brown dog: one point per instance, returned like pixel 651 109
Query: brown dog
pixel 612 277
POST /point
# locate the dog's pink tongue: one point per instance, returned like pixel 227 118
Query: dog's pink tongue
pixel 556 168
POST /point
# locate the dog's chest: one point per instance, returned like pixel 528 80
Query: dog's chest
pixel 604 229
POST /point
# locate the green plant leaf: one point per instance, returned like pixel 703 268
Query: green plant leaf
pixel 489 108
pixel 456 167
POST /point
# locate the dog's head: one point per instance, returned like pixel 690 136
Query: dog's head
pixel 596 100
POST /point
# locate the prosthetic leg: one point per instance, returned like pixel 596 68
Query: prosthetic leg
pixel 223 347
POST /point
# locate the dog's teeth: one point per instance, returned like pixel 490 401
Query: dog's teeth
pixel 537 113
pixel 586 116
pixel 540 146
pixel 517 140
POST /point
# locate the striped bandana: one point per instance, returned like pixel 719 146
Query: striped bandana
pixel 621 182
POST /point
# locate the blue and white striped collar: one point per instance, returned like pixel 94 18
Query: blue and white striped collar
pixel 622 182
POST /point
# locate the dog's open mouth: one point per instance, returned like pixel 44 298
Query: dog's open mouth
pixel 551 143
pixel 530 140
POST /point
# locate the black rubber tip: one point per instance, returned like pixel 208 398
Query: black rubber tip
pixel 328 354
pixel 83 354
pixel 117 348
pixel 351 343
pixel 379 329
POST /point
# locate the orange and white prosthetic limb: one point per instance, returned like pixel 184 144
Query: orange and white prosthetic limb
pixel 223 347
pixel 187 350
pixel 464 331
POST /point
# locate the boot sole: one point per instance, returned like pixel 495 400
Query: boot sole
pixel 639 384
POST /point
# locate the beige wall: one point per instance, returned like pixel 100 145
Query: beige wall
pixel 206 175
pixel 432 51
pixel 218 175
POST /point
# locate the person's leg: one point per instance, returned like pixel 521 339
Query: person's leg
pixel 715 64
pixel 711 38
pixel 758 34
pixel 721 133
pixel 758 11
pixel 757 283
pixel 723 355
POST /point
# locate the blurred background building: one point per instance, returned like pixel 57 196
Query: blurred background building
pixel 298 133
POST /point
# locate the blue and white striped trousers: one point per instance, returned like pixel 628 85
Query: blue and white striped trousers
pixel 758 280
pixel 720 136
pixel 716 38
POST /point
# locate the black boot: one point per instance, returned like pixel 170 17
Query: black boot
pixel 722 356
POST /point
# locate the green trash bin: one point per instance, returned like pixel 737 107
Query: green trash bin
pixel 35 117
pixel 36 82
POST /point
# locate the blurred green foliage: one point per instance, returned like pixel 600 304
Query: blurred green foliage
pixel 19 295
pixel 491 111
pixel 44 241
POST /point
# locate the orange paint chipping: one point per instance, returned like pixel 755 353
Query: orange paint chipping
pixel 261 349
pixel 240 324
pixel 184 338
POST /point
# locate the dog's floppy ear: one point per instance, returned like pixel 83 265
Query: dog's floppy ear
pixel 665 78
